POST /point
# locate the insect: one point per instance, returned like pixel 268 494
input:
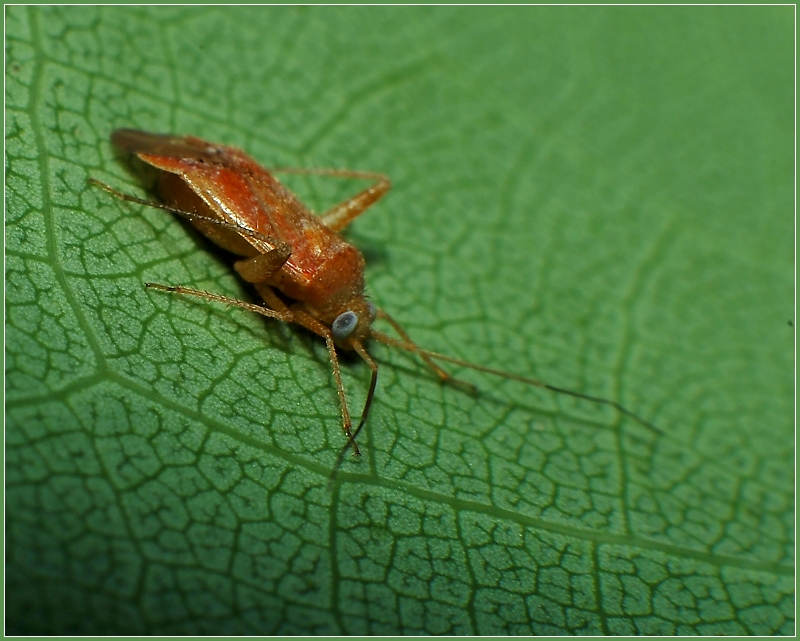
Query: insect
pixel 302 269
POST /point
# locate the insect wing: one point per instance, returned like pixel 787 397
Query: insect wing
pixel 243 192
pixel 240 191
pixel 212 174
pixel 184 147
pixel 219 175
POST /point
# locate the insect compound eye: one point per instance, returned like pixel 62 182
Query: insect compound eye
pixel 344 325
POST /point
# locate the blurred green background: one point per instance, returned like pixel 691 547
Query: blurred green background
pixel 601 197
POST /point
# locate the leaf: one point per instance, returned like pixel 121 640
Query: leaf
pixel 599 197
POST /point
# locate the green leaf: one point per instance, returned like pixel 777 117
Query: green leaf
pixel 598 197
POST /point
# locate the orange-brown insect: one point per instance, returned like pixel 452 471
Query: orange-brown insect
pixel 303 270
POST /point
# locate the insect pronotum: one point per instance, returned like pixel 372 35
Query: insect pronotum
pixel 302 269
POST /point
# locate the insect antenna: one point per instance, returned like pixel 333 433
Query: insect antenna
pixel 410 347
pixel 359 348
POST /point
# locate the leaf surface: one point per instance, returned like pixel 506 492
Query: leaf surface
pixel 598 197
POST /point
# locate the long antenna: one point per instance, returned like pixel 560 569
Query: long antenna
pixel 351 442
pixel 410 347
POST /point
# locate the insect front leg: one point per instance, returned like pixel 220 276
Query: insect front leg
pixel 443 376
pixel 304 319
pixel 340 216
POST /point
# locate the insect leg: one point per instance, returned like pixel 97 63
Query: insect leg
pixel 341 215
pixel 443 376
pixel 415 349
pixel 260 267
pixel 271 298
pixel 310 323
pixel 193 216
pixel 283 315
pixel 373 366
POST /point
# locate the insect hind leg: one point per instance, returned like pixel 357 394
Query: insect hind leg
pixel 340 216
